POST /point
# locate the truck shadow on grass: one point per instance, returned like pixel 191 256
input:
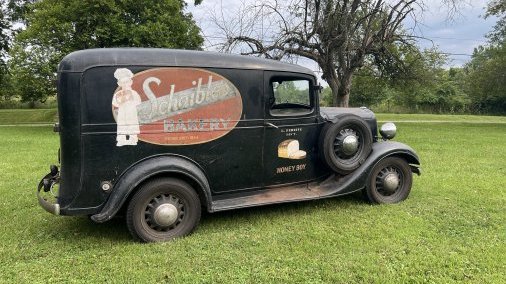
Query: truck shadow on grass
pixel 115 231
pixel 292 208
pixel 80 228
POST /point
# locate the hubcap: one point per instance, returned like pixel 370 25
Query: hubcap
pixel 165 214
pixel 350 144
pixel 388 181
pixel 391 182
pixel 347 143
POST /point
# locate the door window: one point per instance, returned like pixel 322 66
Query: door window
pixel 290 97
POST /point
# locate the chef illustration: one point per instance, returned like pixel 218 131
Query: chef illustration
pixel 126 100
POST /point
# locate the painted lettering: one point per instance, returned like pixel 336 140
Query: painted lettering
pixel 288 169
pixel 181 106
pixel 192 125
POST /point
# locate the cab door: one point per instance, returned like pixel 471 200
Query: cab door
pixel 291 128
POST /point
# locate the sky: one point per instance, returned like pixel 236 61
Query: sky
pixel 459 35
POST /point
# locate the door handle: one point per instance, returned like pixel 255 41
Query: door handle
pixel 270 125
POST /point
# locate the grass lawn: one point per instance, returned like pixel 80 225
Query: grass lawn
pixel 27 116
pixel 441 118
pixel 452 228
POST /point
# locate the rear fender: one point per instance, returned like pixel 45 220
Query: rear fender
pixel 147 168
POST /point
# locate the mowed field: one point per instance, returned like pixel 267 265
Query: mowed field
pixel 452 228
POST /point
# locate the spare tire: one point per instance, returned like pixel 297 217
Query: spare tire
pixel 345 144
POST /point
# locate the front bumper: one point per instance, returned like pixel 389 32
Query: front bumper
pixel 416 169
pixel 48 184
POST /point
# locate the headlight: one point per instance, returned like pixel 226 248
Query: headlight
pixel 388 130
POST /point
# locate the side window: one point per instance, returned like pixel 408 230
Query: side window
pixel 290 97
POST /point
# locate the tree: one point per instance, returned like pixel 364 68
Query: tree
pixel 419 83
pixel 55 28
pixel 71 25
pixel 5 35
pixel 18 9
pixel 339 35
pixel 497 8
pixel 485 73
pixel 486 79
pixel 5 28
pixel 32 77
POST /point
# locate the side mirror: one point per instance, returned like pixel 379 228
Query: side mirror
pixel 318 88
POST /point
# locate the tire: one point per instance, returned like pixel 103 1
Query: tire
pixel 331 144
pixel 379 191
pixel 163 209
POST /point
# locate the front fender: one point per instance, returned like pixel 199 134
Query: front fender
pixel 358 179
pixel 145 169
pixel 385 149
pixel 392 148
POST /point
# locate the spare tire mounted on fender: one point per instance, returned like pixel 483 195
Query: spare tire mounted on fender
pixel 345 144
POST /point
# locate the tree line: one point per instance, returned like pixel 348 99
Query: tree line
pixel 429 87
pixel 37 34
pixel 364 53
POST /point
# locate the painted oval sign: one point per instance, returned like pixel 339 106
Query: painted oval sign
pixel 174 106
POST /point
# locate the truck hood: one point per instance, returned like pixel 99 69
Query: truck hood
pixel 329 113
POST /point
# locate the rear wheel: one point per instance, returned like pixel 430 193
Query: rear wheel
pixel 163 209
pixel 390 181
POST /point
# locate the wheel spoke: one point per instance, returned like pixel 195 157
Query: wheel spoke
pixel 157 201
pixel 380 180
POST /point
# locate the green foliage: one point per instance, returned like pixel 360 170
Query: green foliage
pixel 67 26
pixel 486 79
pixel 4 33
pixel 415 82
pixel 326 97
pixel 32 73
pixel 497 8
pixel 5 28
pixel 18 9
pixel 291 92
pixel 55 28
pixel 367 89
pixel 486 72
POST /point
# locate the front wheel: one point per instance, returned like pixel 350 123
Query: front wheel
pixel 390 181
pixel 163 209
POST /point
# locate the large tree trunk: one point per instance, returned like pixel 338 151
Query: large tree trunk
pixel 343 98
pixel 334 86
pixel 341 90
pixel 343 94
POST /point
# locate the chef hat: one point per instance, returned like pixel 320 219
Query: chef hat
pixel 123 74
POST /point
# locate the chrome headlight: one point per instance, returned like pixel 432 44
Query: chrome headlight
pixel 388 130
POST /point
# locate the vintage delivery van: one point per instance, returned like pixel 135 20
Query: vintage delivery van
pixel 160 135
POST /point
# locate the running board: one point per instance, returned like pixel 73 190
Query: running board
pixel 292 193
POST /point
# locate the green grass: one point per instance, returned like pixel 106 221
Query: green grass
pixel 452 228
pixel 27 116
pixel 441 118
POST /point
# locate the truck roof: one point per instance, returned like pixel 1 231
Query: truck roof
pixel 79 61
